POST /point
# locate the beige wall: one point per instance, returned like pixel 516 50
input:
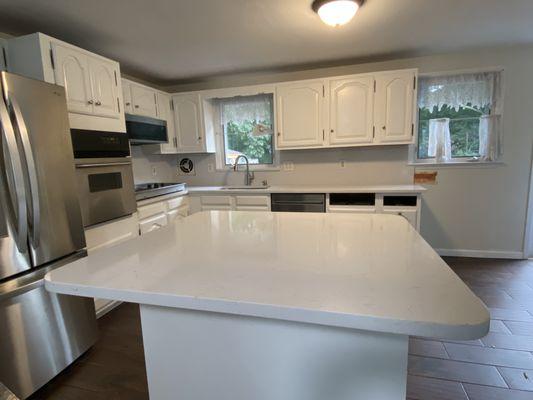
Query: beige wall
pixel 479 210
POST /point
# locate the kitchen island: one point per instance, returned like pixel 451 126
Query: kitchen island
pixel 285 306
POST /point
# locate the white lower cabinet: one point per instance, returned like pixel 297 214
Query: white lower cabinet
pixel 155 215
pixel 153 223
pixel 230 203
pixel 107 235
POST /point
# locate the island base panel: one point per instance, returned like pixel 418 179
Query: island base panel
pixel 195 355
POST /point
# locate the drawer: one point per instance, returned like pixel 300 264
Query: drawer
pixel 253 201
pixel 111 233
pixel 216 200
pixel 215 207
pixel 177 202
pixel 153 223
pixel 151 210
pixel 352 209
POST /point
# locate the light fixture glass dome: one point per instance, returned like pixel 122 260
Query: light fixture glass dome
pixel 336 12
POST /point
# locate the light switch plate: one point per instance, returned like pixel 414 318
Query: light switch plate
pixel 210 168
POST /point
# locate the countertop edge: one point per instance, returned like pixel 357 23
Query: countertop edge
pixel 311 189
pixel 253 310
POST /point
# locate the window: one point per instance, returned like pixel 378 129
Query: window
pixel 459 117
pixel 247 129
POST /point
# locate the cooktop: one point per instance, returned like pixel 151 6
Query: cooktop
pixel 153 189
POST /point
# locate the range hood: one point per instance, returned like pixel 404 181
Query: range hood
pixel 146 130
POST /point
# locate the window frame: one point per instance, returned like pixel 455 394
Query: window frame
pixel 414 160
pixel 219 133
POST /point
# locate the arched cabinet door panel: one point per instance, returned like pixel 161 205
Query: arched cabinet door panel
pixel 104 79
pixel 393 116
pixel 300 115
pixel 72 72
pixel 188 123
pixel 351 110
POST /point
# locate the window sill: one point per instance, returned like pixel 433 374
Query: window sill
pixel 452 164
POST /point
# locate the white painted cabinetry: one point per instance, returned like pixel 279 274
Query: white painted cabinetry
pixel 92 83
pixel 143 100
pixel 355 110
pixel 165 112
pixel 351 102
pixel 240 202
pixel 155 214
pixel 188 123
pixel 394 107
pixel 300 114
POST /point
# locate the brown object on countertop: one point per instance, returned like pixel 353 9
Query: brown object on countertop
pixel 428 177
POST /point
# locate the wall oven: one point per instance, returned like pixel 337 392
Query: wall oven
pixel 105 176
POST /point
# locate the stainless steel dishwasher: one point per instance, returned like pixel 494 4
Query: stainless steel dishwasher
pixel 298 202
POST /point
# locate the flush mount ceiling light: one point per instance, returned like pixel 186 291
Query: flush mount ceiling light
pixel 336 12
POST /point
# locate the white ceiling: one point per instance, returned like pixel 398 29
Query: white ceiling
pixel 171 41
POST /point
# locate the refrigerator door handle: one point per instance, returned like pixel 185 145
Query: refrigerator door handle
pixel 35 226
pixel 19 217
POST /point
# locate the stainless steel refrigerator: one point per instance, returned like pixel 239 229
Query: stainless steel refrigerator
pixel 40 229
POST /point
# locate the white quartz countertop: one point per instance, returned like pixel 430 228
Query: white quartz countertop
pixel 364 271
pixel 311 189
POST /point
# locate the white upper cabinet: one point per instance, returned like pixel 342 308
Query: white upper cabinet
pixel 71 70
pixel 144 101
pixel 300 108
pixel 188 123
pixel 92 83
pixel 164 108
pixel 394 106
pixel 351 110
pixel 104 82
pixel 126 95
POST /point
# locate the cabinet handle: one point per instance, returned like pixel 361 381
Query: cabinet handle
pixel 90 102
pixel 98 103
pixel 128 103
pixel 199 138
pixel 279 133
pixel 332 130
pixel 383 127
pixel 136 106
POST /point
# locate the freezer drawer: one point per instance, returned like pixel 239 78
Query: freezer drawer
pixel 42 333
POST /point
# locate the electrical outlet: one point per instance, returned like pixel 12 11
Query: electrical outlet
pixel 210 168
pixel 288 166
pixel 154 171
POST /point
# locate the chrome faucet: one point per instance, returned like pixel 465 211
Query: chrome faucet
pixel 249 177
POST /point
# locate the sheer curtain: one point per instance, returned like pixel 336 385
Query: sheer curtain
pixel 440 144
pixel 477 90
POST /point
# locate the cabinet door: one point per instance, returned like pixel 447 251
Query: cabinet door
pixel 126 95
pixel 188 123
pixel 351 110
pixel 165 113
pixel 393 107
pixel 72 71
pixel 104 82
pixel 151 224
pixel 144 101
pixel 300 115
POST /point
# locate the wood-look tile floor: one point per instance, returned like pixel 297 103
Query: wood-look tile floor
pixel 496 367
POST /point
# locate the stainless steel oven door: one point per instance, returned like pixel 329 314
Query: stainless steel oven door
pixel 106 190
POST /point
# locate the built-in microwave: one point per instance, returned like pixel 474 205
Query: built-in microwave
pixel 146 130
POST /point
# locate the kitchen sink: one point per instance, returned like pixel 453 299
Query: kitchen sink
pixel 243 187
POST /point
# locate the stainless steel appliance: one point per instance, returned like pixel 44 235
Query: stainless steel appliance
pixel 148 190
pixel 40 229
pixel 105 176
pixel 298 202
pixel 146 130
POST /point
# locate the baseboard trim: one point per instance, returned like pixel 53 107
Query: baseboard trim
pixel 108 307
pixel 518 255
